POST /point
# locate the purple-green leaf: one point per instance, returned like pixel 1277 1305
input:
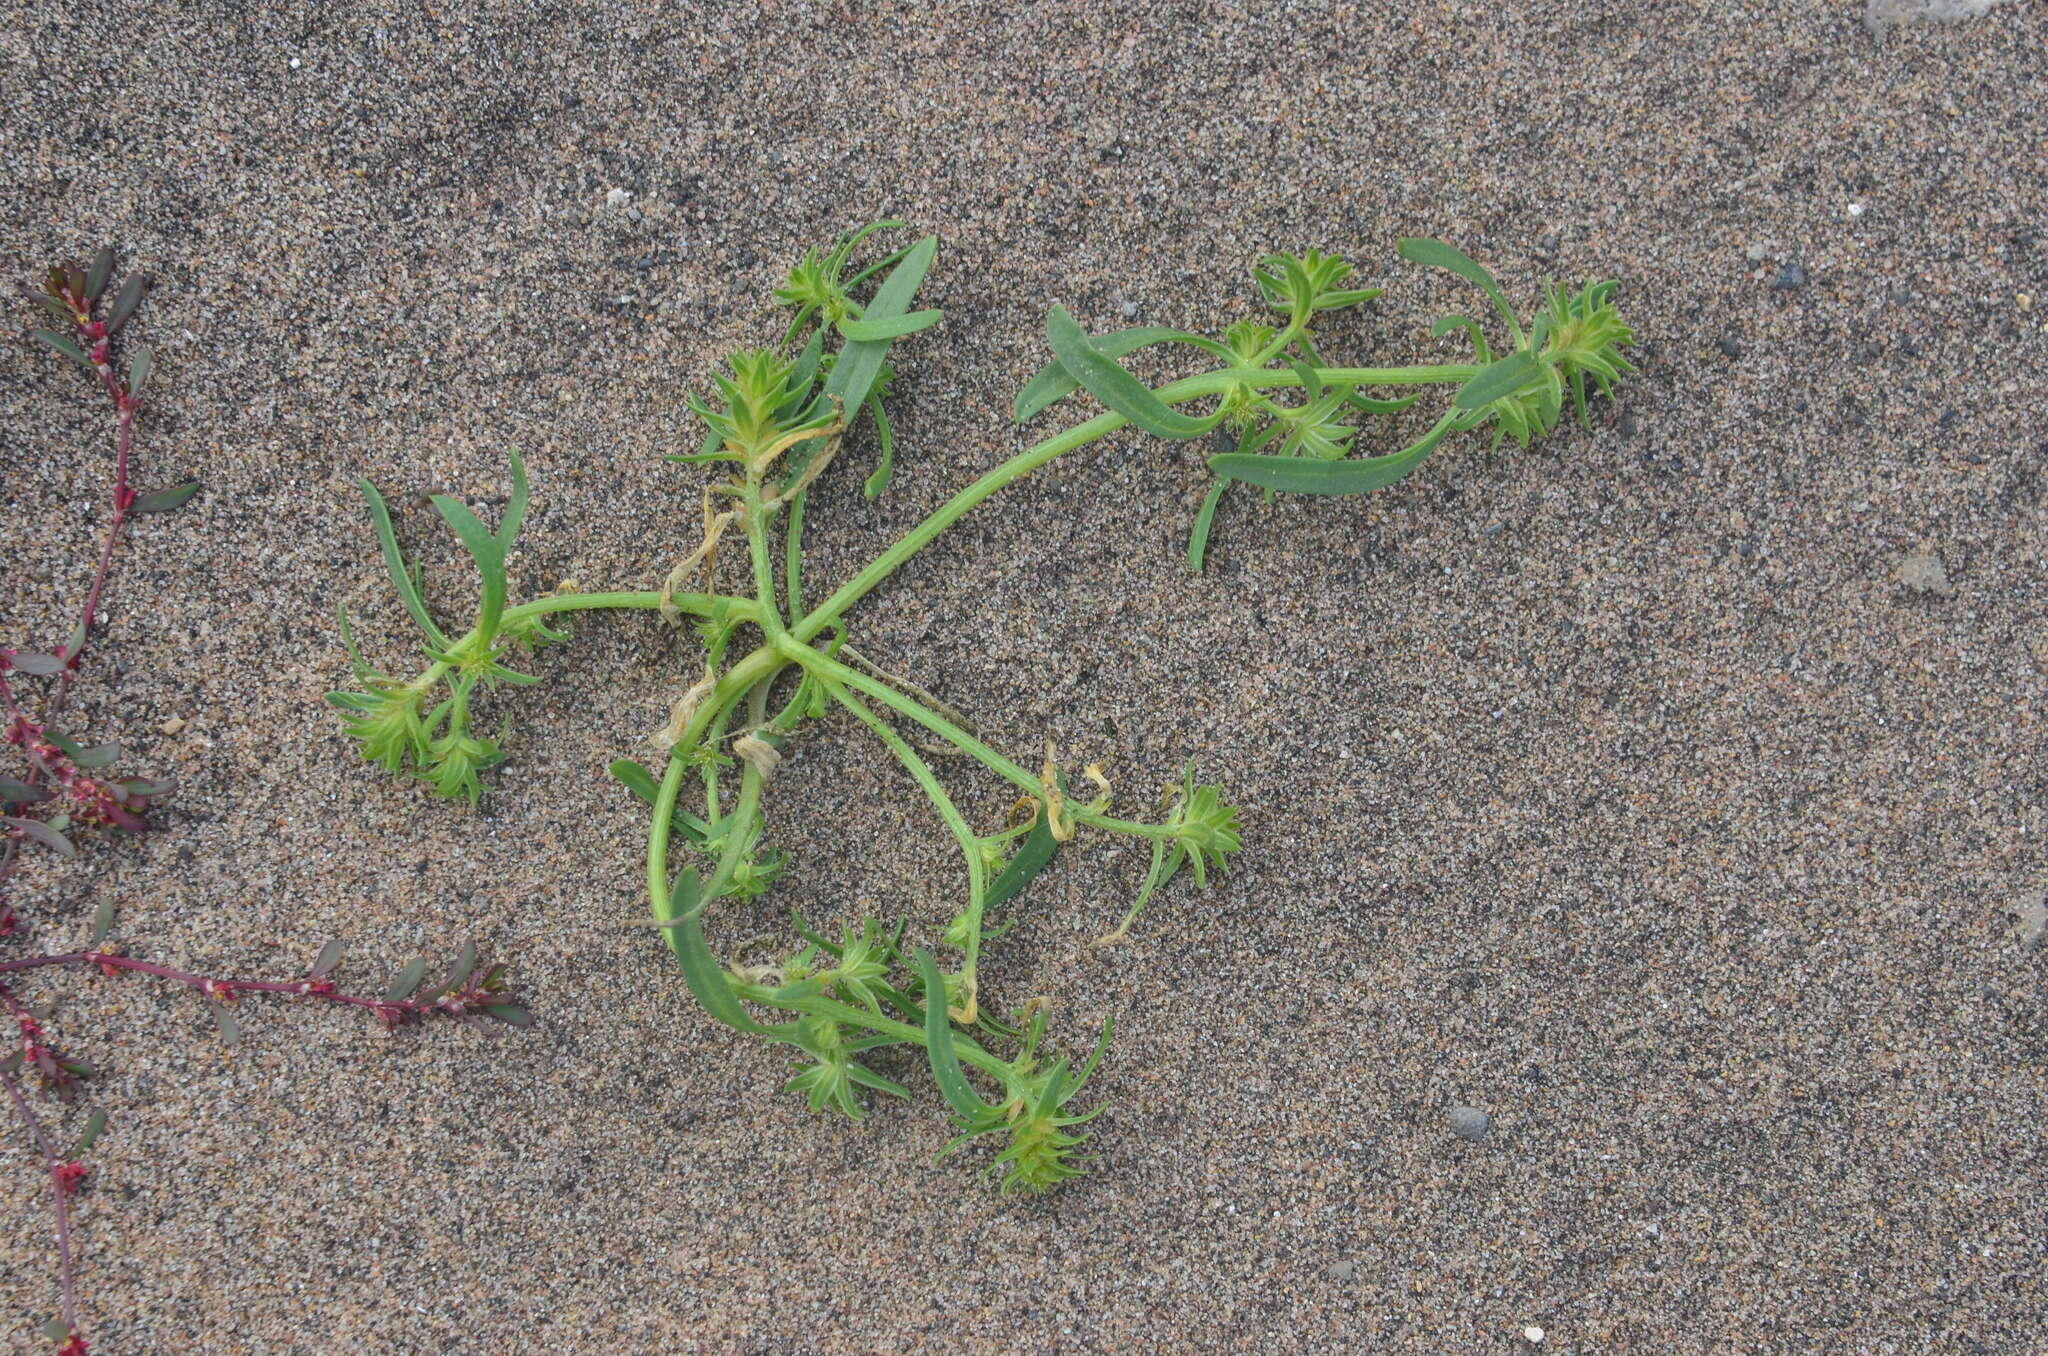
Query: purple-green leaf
pixel 66 347
pixel 163 501
pixel 42 665
pixel 102 268
pixel 405 982
pixel 41 833
pixel 324 963
pixel 127 301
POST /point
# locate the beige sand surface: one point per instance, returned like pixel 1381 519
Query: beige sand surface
pixel 1620 789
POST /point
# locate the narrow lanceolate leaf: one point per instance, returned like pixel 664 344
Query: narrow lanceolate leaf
pixel 1302 475
pixel 1436 254
pixel 42 665
pixel 102 921
pixel 102 266
pixel 66 347
pixel 402 576
pixel 1198 539
pixel 405 982
pixel 98 756
pixel 465 965
pixel 138 369
pixel 164 500
pixel 866 331
pixel 230 1029
pixel 701 970
pixel 1032 857
pixel 127 301
pixel 324 963
pixel 42 833
pixel 1105 379
pixel 13 792
pixel 95 1126
pixel 938 1034
pixel 1054 382
pixel 1509 376
pixel 511 1014
pixel 858 365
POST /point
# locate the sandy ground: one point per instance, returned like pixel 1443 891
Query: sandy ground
pixel 1619 789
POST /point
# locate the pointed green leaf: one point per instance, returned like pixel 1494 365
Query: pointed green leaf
pixel 102 921
pixel 1436 254
pixel 866 330
pixel 394 562
pixel 511 1014
pixel 67 348
pixel 42 833
pixel 41 665
pixel 125 304
pixel 102 266
pixel 1054 382
pixel 858 365
pixel 1033 854
pixel 1300 475
pixel 164 500
pixel 13 792
pixel 938 1033
pixel 138 369
pixel 701 970
pixel 405 982
pixel 230 1029
pixel 1105 379
pixel 324 963
pixel 95 1126
pixel 1507 377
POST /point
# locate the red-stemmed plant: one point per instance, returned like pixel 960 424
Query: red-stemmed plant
pixel 63 789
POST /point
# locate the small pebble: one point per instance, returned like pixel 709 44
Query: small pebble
pixel 1130 309
pixel 1730 346
pixel 617 197
pixel 1757 252
pixel 1789 277
pixel 1923 572
pixel 1343 1271
pixel 1469 1122
pixel 2032 913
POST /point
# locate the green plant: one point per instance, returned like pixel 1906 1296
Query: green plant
pixel 1303 447
pixel 776 421
pixel 770 661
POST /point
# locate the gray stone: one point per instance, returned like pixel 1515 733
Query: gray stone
pixel 1923 572
pixel 1469 1122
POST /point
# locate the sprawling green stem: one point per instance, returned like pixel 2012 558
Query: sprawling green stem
pixel 970 845
pixel 1029 460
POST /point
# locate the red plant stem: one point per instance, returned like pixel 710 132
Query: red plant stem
pixel 66 1281
pixel 125 406
pixel 456 1004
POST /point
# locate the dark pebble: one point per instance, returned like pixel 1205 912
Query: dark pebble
pixel 1730 345
pixel 1789 277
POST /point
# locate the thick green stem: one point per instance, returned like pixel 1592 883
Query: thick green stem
pixel 1029 460
pixel 793 551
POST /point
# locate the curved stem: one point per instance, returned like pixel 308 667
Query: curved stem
pixel 823 664
pixel 963 833
pixel 1029 460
